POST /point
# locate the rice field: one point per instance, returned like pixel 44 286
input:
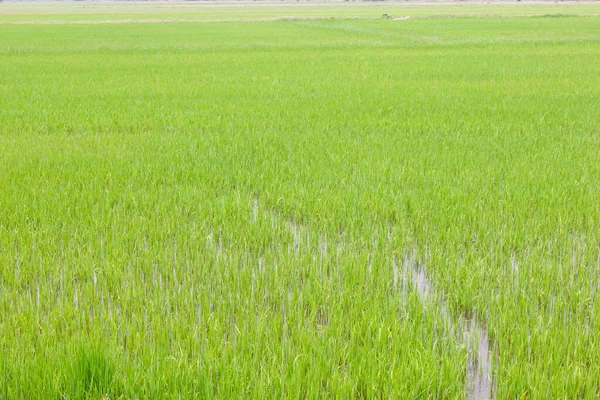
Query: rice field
pixel 327 205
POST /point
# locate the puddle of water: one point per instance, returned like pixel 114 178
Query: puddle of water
pixel 220 246
pixel 255 210
pixel 323 246
pixel 471 331
pixel 296 233
pixel 479 374
pixel 423 285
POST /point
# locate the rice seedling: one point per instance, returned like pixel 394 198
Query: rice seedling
pixel 300 208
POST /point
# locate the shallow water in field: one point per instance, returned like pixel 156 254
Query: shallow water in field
pixel 480 361
pixel 471 331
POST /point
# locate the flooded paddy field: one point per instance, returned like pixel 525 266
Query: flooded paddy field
pixel 299 202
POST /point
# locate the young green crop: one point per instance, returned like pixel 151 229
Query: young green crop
pixel 224 209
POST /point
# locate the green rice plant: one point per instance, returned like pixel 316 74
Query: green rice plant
pixel 91 375
pixel 235 209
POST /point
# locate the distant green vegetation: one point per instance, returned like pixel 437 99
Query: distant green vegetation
pixel 228 209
